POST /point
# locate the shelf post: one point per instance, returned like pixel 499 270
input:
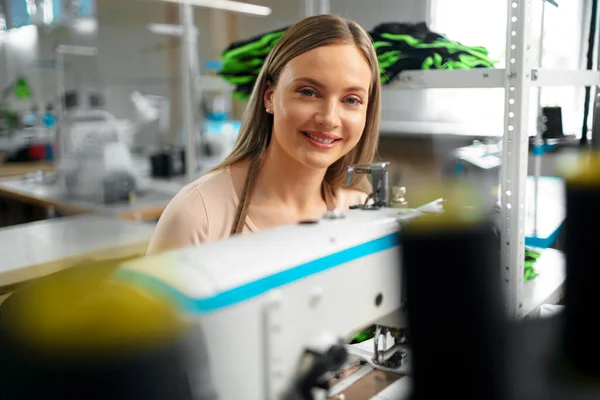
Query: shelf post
pixel 514 154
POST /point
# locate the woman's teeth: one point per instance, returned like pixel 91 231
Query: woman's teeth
pixel 320 140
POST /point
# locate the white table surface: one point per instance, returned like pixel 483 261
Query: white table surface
pixel 399 390
pixel 27 249
pixel 51 193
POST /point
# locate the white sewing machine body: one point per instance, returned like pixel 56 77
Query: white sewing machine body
pixel 263 299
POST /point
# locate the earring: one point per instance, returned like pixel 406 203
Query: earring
pixel 268 111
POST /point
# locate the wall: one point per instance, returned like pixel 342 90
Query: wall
pixel 129 56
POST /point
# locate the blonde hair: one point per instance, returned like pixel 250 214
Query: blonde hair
pixel 256 128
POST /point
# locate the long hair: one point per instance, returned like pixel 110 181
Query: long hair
pixel 256 129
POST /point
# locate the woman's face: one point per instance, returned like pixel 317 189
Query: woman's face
pixel 319 105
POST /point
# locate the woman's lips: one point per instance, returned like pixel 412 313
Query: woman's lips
pixel 321 140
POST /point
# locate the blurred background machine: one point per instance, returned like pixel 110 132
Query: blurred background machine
pixel 479 164
pixel 95 162
pixel 153 139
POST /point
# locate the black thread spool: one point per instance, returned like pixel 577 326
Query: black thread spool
pixel 454 306
pixel 582 297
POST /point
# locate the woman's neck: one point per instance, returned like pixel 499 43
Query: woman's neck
pixel 283 180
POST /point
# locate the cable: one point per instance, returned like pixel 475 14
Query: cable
pixel 590 55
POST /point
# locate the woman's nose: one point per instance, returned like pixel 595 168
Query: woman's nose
pixel 327 115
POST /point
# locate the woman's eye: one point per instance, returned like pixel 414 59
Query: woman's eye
pixel 353 101
pixel 307 92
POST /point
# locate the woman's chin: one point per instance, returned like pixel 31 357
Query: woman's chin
pixel 317 161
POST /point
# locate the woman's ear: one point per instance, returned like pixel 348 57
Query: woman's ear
pixel 268 98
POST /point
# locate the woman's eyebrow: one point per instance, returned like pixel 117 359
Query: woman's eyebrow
pixel 318 84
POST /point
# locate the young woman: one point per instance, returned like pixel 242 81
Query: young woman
pixel 314 110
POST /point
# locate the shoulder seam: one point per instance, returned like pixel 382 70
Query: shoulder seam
pixel 199 193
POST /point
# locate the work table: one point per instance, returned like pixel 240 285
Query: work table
pixel 37 249
pixel 148 206
pixel 12 170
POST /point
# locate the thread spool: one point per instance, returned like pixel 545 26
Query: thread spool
pixel 581 350
pixel 454 306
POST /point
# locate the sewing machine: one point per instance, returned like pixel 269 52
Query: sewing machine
pixel 322 282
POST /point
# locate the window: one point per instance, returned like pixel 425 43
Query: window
pixel 483 23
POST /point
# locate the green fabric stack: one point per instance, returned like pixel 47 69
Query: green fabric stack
pixel 243 60
pixel 402 46
pixel 399 46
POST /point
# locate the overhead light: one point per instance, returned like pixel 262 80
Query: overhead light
pixel 227 5
pixel 166 29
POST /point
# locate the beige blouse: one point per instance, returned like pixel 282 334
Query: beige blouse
pixel 204 211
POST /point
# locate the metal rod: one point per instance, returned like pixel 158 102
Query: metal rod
pixel 309 8
pixel 61 126
pixel 189 80
pixel 538 141
pixel 596 121
pixel 324 7
pixel 60 109
pixel 596 108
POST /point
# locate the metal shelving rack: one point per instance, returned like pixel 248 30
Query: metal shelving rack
pixel 517 78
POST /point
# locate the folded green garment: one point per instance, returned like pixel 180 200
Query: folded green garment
pixel 402 47
pixel 399 47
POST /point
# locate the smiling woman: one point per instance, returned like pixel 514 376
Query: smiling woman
pixel 314 110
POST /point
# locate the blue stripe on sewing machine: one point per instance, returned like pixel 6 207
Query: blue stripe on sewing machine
pixel 250 290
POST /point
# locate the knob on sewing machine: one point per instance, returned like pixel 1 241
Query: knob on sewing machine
pixel 379 179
